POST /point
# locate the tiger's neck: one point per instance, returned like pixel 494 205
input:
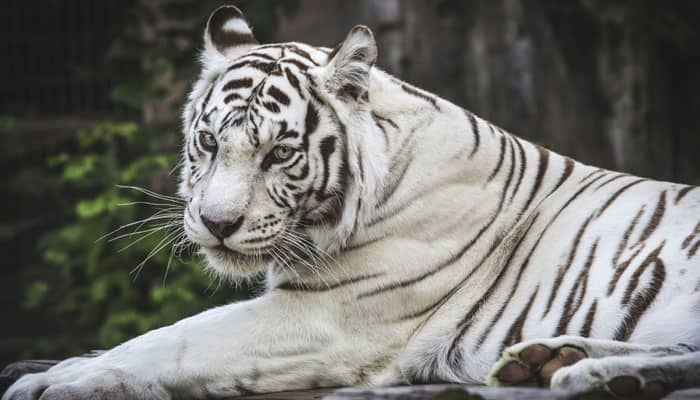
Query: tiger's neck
pixel 440 155
pixel 454 191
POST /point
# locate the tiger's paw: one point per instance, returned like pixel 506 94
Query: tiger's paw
pixel 533 363
pixel 96 384
pixel 611 375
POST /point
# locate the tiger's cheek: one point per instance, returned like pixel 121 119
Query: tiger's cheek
pixel 297 182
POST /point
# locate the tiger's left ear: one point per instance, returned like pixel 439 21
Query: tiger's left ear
pixel 227 33
pixel 349 64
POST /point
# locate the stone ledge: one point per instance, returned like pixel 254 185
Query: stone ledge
pixel 451 392
pixel 417 392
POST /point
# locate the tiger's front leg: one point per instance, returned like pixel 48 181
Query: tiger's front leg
pixel 273 343
pixel 580 364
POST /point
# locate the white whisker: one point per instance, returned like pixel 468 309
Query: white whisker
pixel 168 239
pixel 157 216
pixel 172 199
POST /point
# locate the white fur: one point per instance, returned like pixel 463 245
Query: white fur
pixel 237 25
pixel 347 68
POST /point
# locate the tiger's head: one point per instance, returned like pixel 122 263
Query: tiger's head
pixel 271 167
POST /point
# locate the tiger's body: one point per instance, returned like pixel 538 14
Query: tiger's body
pixel 428 241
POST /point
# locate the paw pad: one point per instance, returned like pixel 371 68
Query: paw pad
pixel 515 371
pixel 563 358
pixel 630 387
pixel 535 365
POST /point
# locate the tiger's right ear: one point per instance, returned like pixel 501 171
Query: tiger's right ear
pixel 227 34
pixel 349 64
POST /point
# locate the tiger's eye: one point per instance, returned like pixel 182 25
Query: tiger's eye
pixel 282 152
pixel 208 141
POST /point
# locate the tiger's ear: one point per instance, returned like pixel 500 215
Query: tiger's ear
pixel 227 33
pixel 349 64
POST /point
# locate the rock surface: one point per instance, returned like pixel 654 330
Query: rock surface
pixel 417 392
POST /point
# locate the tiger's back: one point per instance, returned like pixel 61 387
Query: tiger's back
pixel 547 246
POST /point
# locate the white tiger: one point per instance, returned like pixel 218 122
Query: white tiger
pixel 405 240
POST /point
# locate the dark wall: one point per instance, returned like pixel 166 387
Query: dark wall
pixel 611 83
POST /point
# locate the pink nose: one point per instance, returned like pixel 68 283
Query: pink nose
pixel 222 229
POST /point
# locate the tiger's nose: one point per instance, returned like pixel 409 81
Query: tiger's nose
pixel 222 229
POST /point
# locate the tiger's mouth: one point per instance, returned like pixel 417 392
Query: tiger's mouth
pixel 225 253
pixel 246 261
pixel 235 264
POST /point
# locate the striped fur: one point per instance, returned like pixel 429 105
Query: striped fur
pixel 406 240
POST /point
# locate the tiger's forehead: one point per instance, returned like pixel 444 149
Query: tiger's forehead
pixel 260 90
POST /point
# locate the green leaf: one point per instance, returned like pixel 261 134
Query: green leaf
pixel 161 65
pixel 106 132
pixel 98 289
pixel 79 168
pixel 7 123
pixel 58 159
pixel 56 257
pixel 143 166
pixel 90 208
pixel 35 294
pixel 127 130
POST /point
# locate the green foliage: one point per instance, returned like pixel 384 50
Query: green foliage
pixel 84 277
pixel 36 292
pixel 91 290
pixel 7 123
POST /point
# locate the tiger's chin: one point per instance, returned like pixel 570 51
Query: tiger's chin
pixel 234 265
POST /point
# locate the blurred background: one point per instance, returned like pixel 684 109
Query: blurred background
pixel 91 91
